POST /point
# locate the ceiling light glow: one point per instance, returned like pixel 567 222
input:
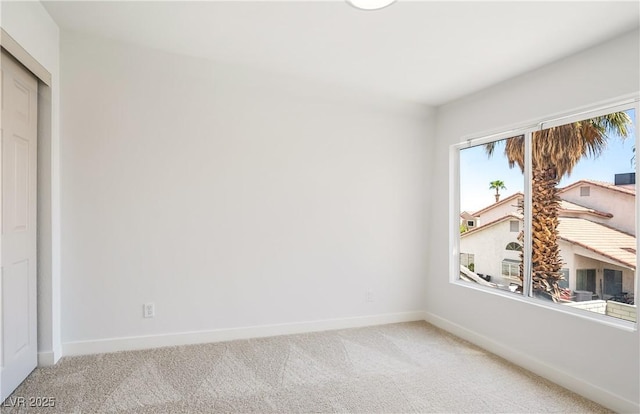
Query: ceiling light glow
pixel 370 4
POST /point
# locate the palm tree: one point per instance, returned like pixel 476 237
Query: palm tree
pixel 554 153
pixel 498 185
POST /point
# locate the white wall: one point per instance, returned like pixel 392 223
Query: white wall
pixel 510 207
pixel 620 205
pixel 603 360
pixel 488 247
pixel 32 27
pixel 231 198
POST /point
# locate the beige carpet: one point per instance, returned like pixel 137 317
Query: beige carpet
pixel 397 368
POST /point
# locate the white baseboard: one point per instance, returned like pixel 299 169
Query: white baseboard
pixel 46 359
pixel 564 379
pixel 218 335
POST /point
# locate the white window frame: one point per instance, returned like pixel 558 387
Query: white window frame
pixel 469 256
pixel 510 263
pixel 622 104
pixel 518 249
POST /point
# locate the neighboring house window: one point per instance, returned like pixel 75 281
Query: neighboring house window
pixel 585 191
pixel 586 280
pixel 467 259
pixel 514 226
pixel 612 282
pixel 510 268
pixel 514 246
pixel 565 282
pixel 471 223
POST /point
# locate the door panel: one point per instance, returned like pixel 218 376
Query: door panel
pixel 17 309
pixel 19 188
pixel 18 133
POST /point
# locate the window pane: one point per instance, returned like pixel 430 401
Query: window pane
pixel 612 282
pixel 491 194
pixel 583 214
pixel 514 246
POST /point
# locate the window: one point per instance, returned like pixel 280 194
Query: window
pixel 586 280
pixel 471 223
pixel 467 260
pixel 612 282
pixel 514 246
pixel 486 243
pixel 552 167
pixel 511 268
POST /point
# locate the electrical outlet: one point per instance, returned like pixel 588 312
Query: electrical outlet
pixel 148 310
pixel 369 295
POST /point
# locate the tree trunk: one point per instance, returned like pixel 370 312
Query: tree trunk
pixel 545 251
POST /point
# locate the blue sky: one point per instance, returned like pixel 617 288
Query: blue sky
pixel 477 170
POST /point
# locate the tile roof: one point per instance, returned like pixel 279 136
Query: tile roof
pixel 601 239
pixel 466 215
pixel 568 206
pixel 510 216
pixel 499 203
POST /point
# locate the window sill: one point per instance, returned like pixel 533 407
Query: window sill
pixel 591 316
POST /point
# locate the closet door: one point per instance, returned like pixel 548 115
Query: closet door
pixel 18 131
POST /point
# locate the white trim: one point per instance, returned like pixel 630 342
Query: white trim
pixel 219 335
pixel 621 103
pixel 12 47
pixel 454 220
pixel 527 277
pixel 47 359
pixel 558 307
pixel 636 286
pixel 562 378
pixel 590 112
pixel 474 140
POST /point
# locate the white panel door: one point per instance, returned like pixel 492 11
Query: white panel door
pixel 18 132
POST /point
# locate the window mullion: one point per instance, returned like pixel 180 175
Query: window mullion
pixel 526 283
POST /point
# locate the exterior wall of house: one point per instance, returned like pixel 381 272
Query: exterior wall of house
pixel 465 218
pixel 576 258
pixel 498 212
pixel 567 256
pixel 621 205
pixel 488 247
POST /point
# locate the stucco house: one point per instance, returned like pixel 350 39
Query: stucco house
pixel 597 239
